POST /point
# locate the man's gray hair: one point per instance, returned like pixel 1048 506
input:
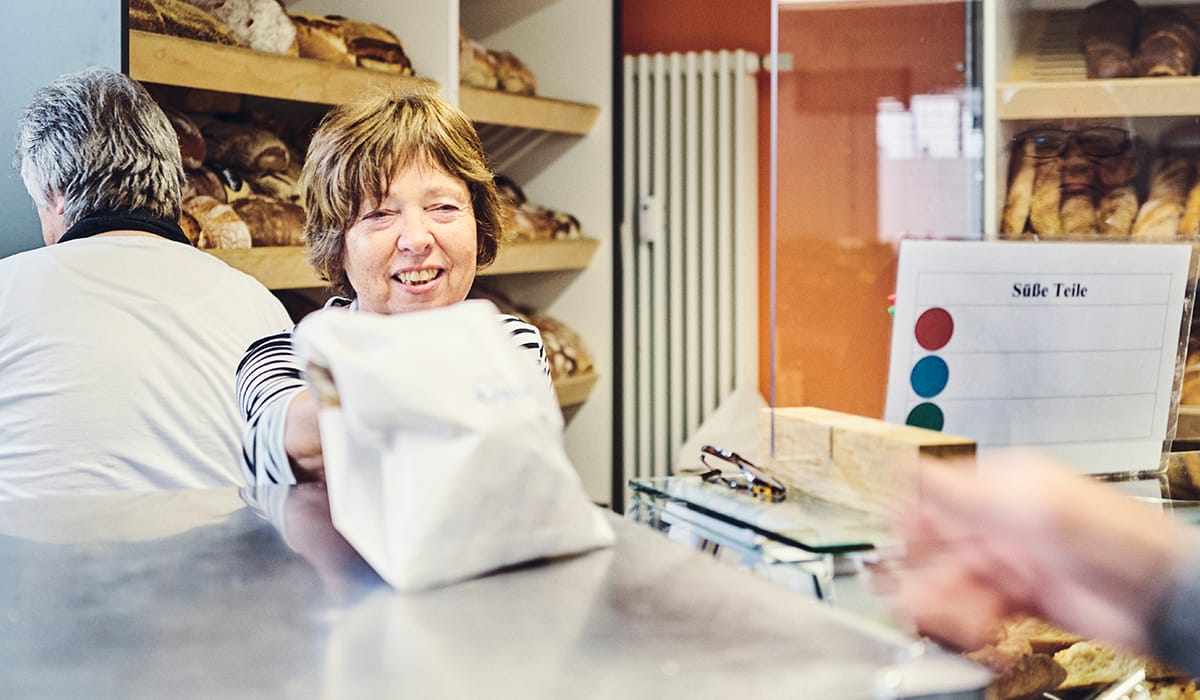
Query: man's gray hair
pixel 97 138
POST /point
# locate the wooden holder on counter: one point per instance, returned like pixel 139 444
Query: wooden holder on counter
pixel 847 459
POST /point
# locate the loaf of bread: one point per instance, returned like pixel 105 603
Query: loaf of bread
pixel 281 186
pixel 220 226
pixel 476 65
pixel 1019 197
pixel 368 45
pixel 262 25
pixel 1019 672
pixel 1183 689
pixel 1189 223
pixel 1168 43
pixel 196 101
pixel 1107 35
pixel 191 141
pixel 233 182
pixel 1117 201
pixel 513 75
pixel 271 222
pixel 1116 210
pixel 1190 392
pixel 145 16
pixel 191 227
pixel 244 146
pixel 565 351
pixel 178 18
pixel 1044 217
pixel 1089 664
pixel 1041 636
pixel 1077 212
pixel 203 181
pixel 321 38
pixel 1159 215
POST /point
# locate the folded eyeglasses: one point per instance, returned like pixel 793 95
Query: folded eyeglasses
pixel 752 479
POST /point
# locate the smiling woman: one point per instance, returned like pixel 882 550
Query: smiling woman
pixel 402 212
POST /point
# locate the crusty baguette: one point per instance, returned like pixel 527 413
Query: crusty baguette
pixel 1019 197
pixel 1044 217
pixel 1189 223
pixel 1117 209
pixel 1078 213
pixel 1159 215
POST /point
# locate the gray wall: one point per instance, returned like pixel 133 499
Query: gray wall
pixel 41 41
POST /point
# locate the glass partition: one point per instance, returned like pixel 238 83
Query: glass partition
pixel 876 137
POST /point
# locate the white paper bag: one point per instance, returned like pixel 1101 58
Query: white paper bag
pixel 444 458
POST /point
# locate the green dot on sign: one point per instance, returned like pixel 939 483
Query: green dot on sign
pixel 926 415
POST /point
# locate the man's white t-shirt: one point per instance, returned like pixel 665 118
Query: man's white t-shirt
pixel 117 362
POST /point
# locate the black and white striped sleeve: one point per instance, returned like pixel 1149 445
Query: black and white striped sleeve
pixel 268 378
pixel 528 339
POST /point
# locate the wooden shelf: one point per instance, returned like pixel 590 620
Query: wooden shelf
pixel 286 267
pixel 170 60
pixel 575 390
pixel 543 256
pixel 542 113
pixel 1048 79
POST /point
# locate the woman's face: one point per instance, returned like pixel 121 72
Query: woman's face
pixel 417 248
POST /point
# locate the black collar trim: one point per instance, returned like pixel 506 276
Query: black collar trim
pixel 125 219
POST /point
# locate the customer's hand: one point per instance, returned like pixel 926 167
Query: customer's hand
pixel 1024 533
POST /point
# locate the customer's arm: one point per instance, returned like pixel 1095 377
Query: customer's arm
pixel 1029 535
pixel 281 443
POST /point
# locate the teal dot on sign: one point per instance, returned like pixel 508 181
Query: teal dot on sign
pixel 926 415
pixel 929 376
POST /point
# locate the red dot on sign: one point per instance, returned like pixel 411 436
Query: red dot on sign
pixel 934 328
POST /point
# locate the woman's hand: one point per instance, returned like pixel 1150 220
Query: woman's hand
pixel 302 438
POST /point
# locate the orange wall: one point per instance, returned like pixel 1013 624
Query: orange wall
pixel 832 327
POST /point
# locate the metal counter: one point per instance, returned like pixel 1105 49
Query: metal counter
pixel 198 595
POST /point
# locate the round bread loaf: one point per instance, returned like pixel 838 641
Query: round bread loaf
pixel 220 226
pixel 191 141
pixel 271 222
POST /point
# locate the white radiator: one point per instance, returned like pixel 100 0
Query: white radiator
pixel 688 247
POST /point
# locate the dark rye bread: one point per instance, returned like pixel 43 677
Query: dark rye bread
pixel 1107 36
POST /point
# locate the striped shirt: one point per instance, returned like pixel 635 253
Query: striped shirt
pixel 269 377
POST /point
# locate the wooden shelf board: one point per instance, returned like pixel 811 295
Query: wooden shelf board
pixel 286 267
pixel 277 267
pixel 1048 79
pixel 546 114
pixel 575 390
pixel 543 256
pixel 170 60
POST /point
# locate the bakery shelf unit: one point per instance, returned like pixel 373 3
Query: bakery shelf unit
pixel 1034 73
pixel 558 145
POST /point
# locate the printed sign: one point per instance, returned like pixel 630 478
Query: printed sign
pixel 1067 347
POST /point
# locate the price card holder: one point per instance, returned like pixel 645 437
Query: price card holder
pixel 1076 349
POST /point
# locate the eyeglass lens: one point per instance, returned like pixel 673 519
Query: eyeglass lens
pixel 1100 141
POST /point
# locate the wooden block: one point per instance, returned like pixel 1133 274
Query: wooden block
pixel 848 459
